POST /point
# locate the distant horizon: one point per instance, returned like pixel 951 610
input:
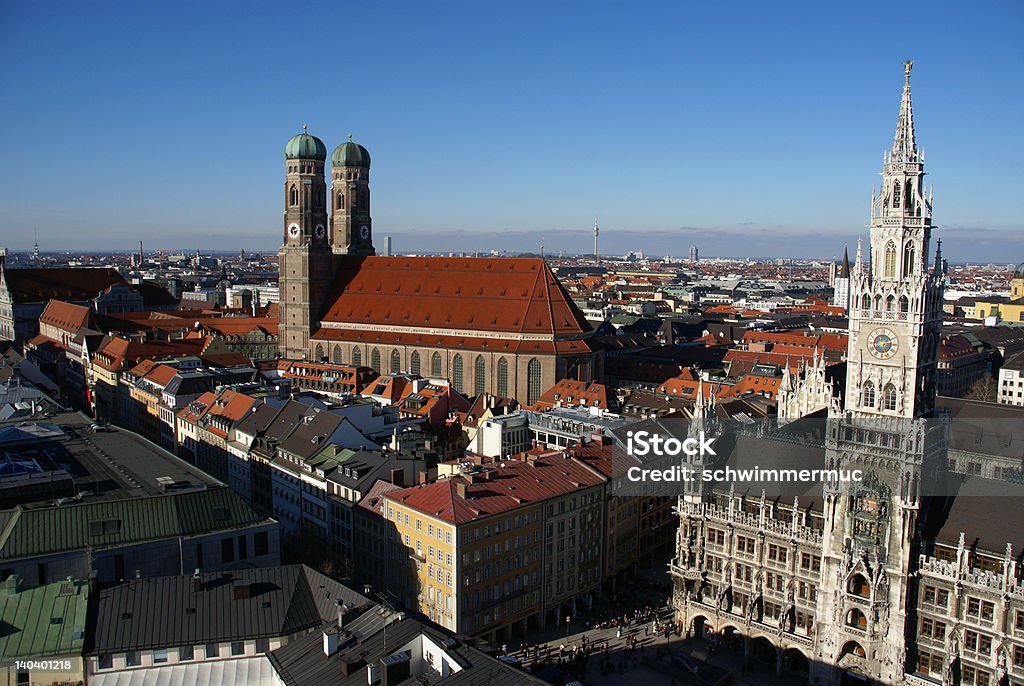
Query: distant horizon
pixel 502 253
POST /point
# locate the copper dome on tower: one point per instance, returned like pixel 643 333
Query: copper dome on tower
pixel 350 154
pixel 305 147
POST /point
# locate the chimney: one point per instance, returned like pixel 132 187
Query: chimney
pixel 460 489
pixel 341 614
pixel 330 642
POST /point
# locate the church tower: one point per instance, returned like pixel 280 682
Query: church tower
pixel 351 227
pixel 895 306
pixel 305 260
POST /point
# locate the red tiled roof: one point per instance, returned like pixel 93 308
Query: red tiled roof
pixel 66 283
pixel 581 393
pixel 501 295
pixel 497 489
pixel 801 339
pixel 66 316
pixel 161 374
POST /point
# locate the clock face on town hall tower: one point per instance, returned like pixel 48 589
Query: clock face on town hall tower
pixel 882 343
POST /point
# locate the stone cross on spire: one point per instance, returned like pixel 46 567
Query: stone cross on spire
pixel 904 147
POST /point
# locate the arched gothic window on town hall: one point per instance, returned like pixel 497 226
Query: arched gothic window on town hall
pixel 889 398
pixel 890 259
pixel 868 395
pixel 908 260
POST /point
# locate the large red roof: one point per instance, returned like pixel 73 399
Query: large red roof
pixel 66 283
pixel 496 295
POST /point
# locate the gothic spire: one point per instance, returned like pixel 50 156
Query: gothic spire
pixel 844 272
pixel 904 147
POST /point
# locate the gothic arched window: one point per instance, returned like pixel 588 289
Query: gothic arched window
pixel 435 365
pixel 908 259
pixel 375 360
pixel 896 198
pixel 479 374
pixel 414 363
pixel 868 395
pixel 457 373
pixel 337 355
pixel 319 200
pixel 319 352
pixel 889 397
pixel 341 201
pixel 890 259
pixel 357 357
pixel 890 303
pixel 294 196
pixel 396 362
pixel 904 304
pixel 865 302
pixel 533 381
pixel 503 377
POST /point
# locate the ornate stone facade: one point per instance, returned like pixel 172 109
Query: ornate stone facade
pixel 863 582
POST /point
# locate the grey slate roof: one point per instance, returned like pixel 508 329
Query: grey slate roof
pixel 303 663
pixel 111 523
pixel 174 610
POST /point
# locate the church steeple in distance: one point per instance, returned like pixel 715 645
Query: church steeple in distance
pixel 896 303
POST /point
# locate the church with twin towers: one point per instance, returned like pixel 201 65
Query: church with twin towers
pixel 504 326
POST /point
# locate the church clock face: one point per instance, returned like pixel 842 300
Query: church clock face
pixel 293 230
pixel 364 232
pixel 320 231
pixel 882 343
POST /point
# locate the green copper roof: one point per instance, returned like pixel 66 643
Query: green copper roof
pixel 305 147
pixel 1019 272
pixel 46 621
pixel 102 524
pixel 350 154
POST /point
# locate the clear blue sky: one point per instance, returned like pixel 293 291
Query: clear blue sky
pixel 750 128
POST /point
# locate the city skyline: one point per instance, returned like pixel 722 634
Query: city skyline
pixel 489 131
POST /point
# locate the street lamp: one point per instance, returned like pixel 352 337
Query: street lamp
pixel 567 620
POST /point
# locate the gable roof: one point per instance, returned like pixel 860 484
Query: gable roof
pixel 457 295
pixel 65 316
pixel 266 602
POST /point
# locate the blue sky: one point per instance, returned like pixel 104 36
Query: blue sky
pixel 750 128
